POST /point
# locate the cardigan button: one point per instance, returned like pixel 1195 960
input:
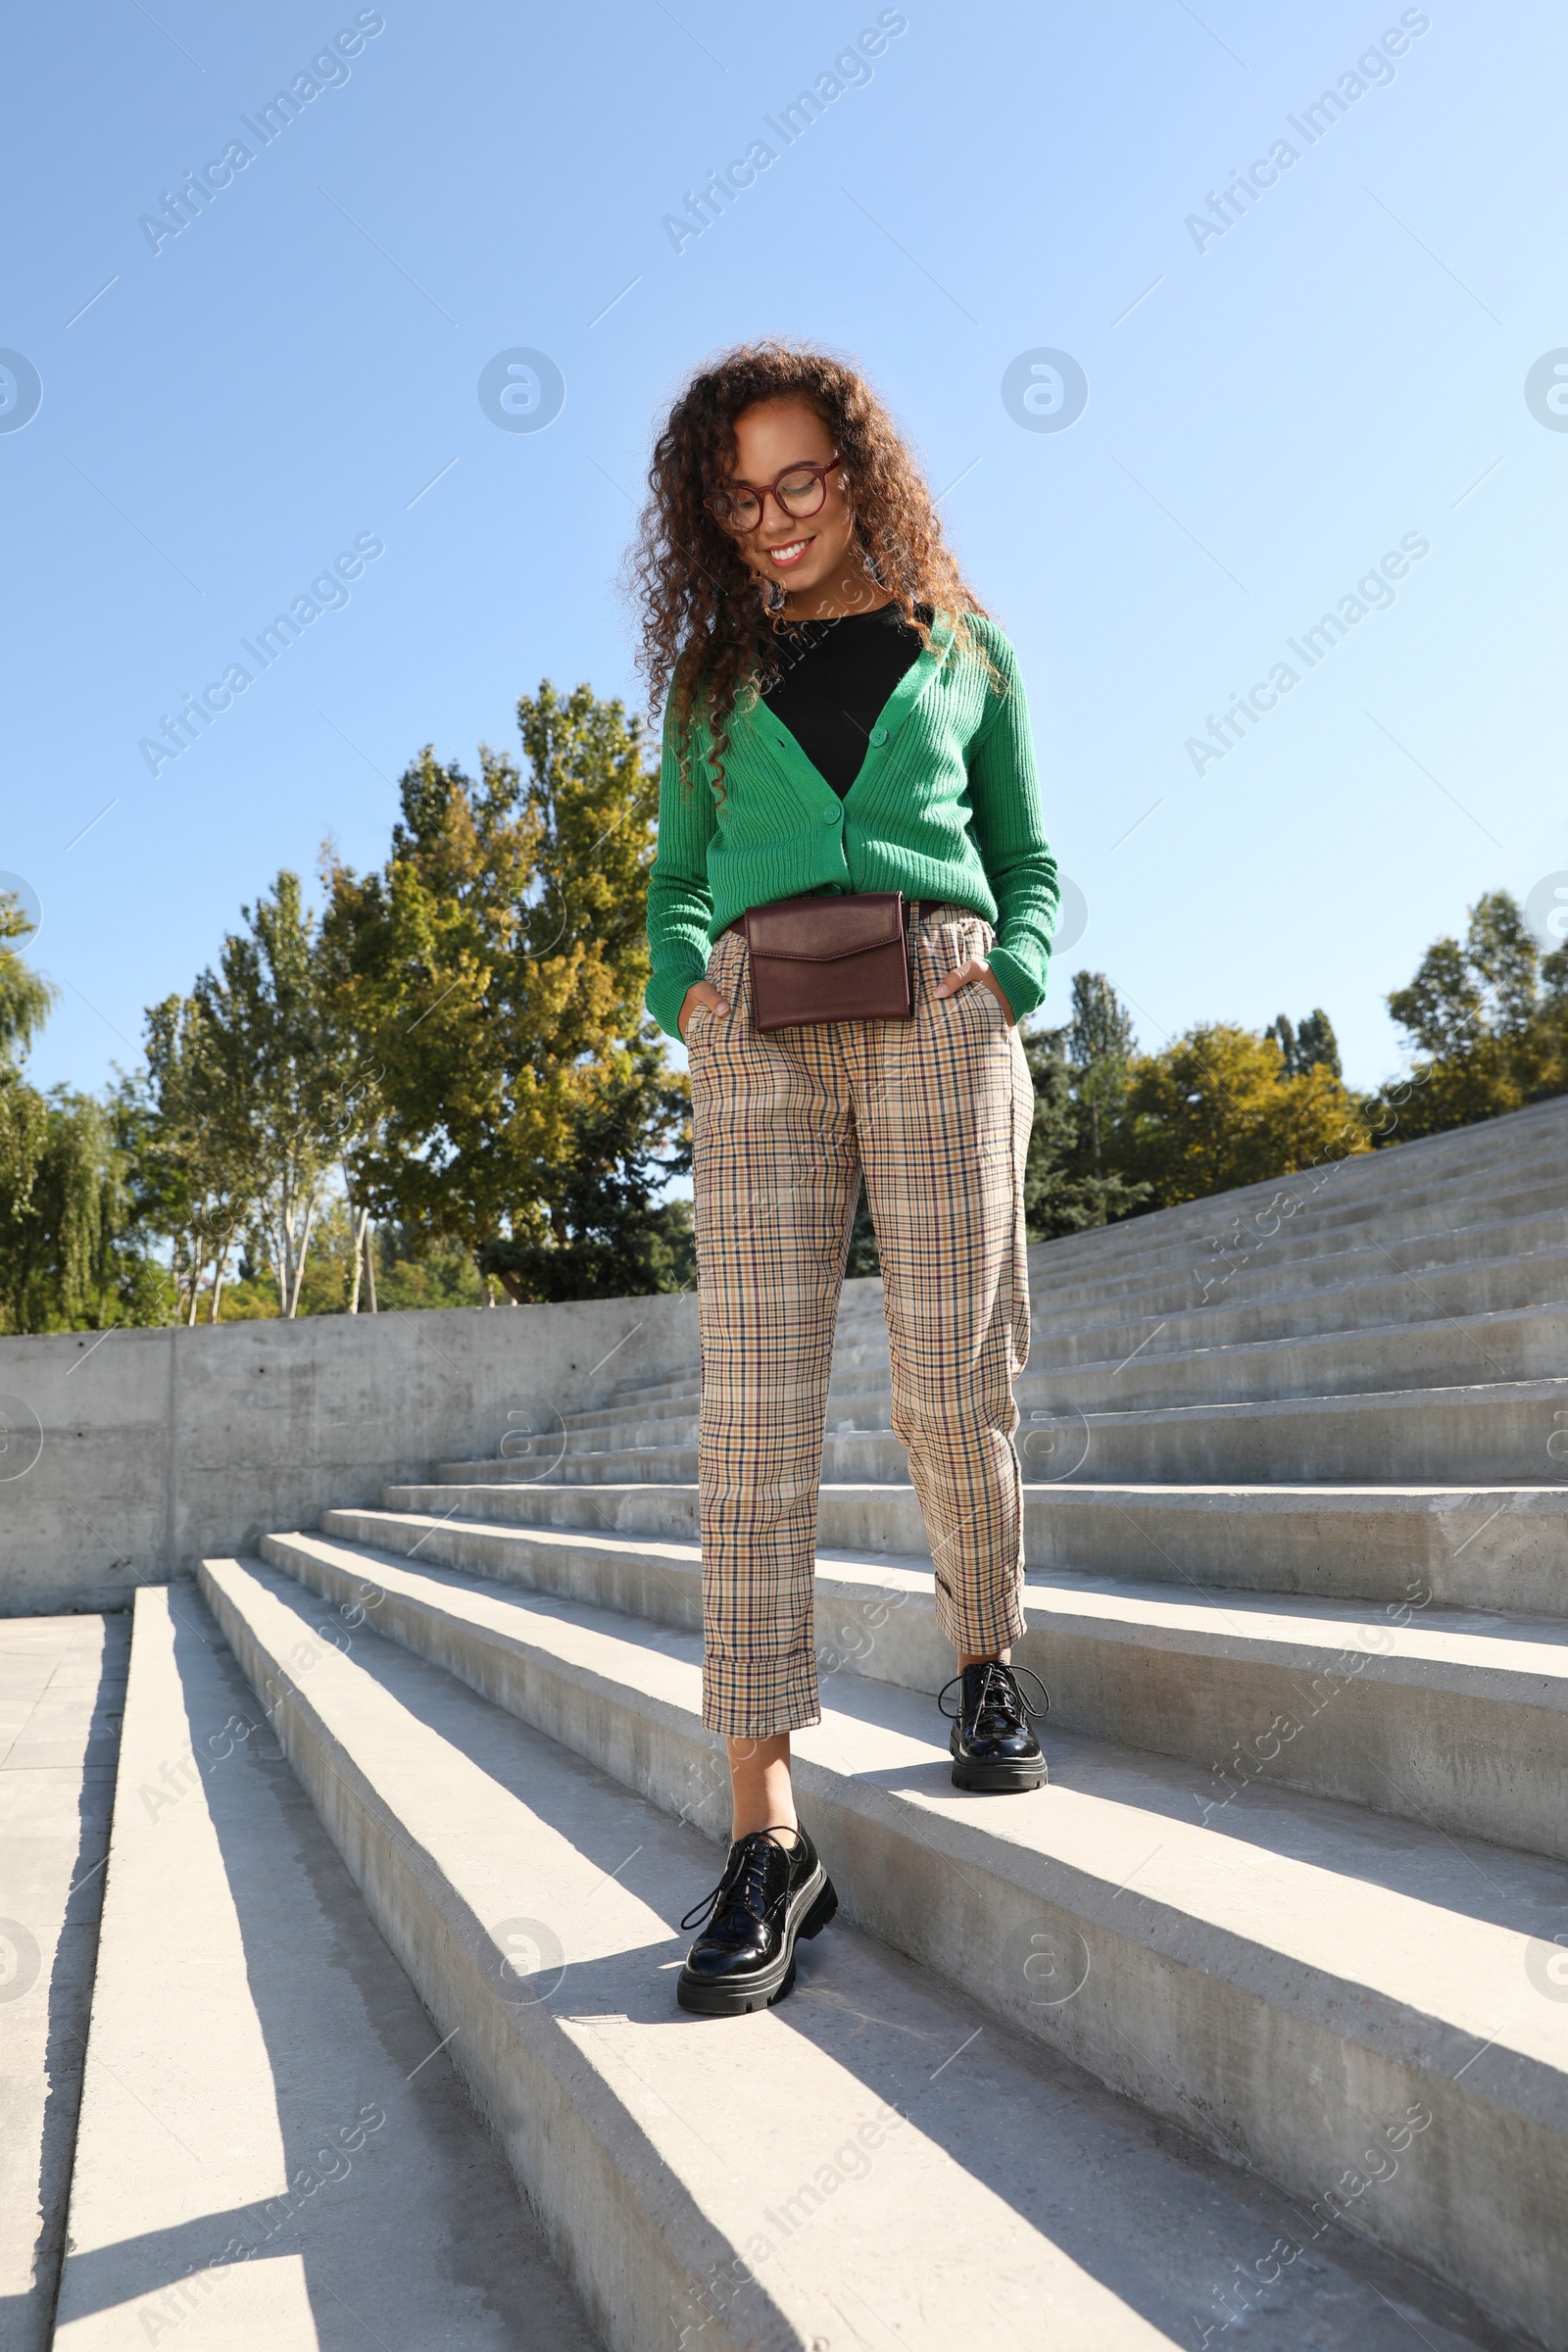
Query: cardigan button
pixel 879 735
pixel 831 816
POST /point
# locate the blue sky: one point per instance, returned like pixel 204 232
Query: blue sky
pixel 1270 412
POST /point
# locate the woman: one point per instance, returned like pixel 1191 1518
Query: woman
pixel 842 719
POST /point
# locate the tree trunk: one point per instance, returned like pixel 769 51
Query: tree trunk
pixel 195 1289
pixel 277 1235
pixel 299 1270
pixel 226 1243
pixel 370 1261
pixel 360 1219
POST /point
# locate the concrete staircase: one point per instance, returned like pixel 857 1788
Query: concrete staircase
pixel 1255 2019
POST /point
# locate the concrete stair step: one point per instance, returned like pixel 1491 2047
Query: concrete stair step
pixel 673 1401
pixel 1449 1717
pixel 858 1363
pixel 1288 1255
pixel 272 2154
pixel 1153 1364
pixel 1265 1266
pixel 1123 1260
pixel 1522 1344
pixel 1463 1165
pixel 653 1462
pixel 1143 1250
pixel 679 1384
pixel 1500 1548
pixel 1481 1268
pixel 1496 1433
pixel 61 1696
pixel 1374 1293
pixel 878 2159
pixel 1296 1218
pixel 1258 1272
pixel 861 1365
pixel 1292 1983
pixel 1063 1338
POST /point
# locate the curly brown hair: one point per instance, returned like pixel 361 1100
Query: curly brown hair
pixel 706 636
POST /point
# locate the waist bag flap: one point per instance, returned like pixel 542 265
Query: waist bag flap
pixel 820 930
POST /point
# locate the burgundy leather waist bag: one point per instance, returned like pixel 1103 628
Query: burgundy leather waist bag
pixel 830 958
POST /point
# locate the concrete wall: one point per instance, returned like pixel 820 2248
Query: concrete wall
pixel 125 1457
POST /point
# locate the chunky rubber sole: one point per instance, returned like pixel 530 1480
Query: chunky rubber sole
pixel 815 1904
pixel 999 1780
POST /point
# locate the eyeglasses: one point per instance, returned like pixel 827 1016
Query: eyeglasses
pixel 799 490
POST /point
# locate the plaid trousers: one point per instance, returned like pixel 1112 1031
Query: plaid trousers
pixel 937 1112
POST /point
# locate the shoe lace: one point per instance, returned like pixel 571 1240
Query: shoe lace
pixel 1000 1704
pixel 744 1881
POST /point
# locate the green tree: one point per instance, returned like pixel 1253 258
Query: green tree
pixel 1488 1019
pixel 1217 1109
pixel 412 1271
pixel 1301 1050
pixel 23 1237
pixel 1073 1175
pixel 611 1237
pixel 70 1256
pixel 197 1173
pixel 275 1075
pixel 492 974
pixel 1099 1045
pixel 362 1103
pixel 26 997
pixel 1506 962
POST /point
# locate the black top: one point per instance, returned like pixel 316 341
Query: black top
pixel 837 675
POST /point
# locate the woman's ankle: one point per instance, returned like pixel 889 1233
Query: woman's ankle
pixel 786 1832
pixel 761 1796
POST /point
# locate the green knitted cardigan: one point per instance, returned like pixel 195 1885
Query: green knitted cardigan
pixel 946 805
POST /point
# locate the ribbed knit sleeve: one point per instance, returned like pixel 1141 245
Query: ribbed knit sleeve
pixel 1011 832
pixel 680 899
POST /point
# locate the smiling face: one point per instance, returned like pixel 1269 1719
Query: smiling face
pixel 817 560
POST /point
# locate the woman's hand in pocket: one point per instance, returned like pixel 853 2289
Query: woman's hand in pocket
pixel 701 992
pixel 965 977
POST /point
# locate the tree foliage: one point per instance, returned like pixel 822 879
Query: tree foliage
pixel 280 1075
pixel 1117 1131
pixel 610 1235
pixel 1220 1107
pixel 195 1172
pixel 25 995
pixel 71 1252
pixel 1302 1050
pixel 492 973
pixel 1073 1177
pixel 1488 1020
pixel 250 1099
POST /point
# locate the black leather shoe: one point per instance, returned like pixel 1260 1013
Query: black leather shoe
pixel 993 1746
pixel 769 1897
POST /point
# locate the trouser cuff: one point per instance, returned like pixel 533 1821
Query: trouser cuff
pixel 978 1625
pixel 757 1698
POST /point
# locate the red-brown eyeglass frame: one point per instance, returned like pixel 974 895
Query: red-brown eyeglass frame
pixel 761 491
